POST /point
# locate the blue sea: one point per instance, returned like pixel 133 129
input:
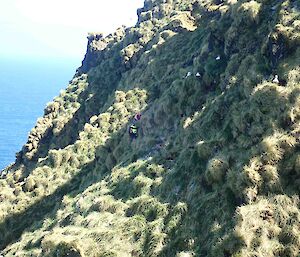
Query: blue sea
pixel 26 86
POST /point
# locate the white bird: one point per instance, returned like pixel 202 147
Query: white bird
pixel 188 74
pixel 198 74
pixel 218 57
pixel 276 80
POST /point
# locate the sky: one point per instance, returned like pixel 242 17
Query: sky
pixel 58 28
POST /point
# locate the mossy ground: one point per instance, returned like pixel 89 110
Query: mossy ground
pixel 215 170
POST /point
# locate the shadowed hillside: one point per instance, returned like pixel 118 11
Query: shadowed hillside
pixel 215 169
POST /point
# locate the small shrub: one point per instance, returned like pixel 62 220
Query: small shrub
pixel 149 207
pixel 18 190
pixel 93 120
pixel 271 177
pixel 248 13
pixel 51 107
pixel 153 170
pixel 18 175
pixel 176 216
pixel 74 162
pixel 55 158
pixel 29 184
pixel 251 173
pixel 39 191
pixel 108 204
pixel 216 169
pixel 52 246
pixel 276 145
pixel 142 185
pixel 66 155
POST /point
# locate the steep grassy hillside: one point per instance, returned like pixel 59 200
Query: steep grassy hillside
pixel 215 171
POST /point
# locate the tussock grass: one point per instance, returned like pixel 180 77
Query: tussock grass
pixel 215 168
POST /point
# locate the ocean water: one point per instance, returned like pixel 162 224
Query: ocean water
pixel 26 86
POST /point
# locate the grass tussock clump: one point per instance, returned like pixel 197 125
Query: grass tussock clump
pixel 248 12
pixel 269 227
pixel 55 158
pixel 176 216
pixel 275 146
pixel 148 207
pixel 108 204
pixel 216 169
pixel 29 184
pixel 52 245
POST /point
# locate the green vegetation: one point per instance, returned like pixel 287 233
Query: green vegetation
pixel 215 169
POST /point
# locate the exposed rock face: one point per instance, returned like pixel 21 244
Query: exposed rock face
pixel 97 45
pixel 215 168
